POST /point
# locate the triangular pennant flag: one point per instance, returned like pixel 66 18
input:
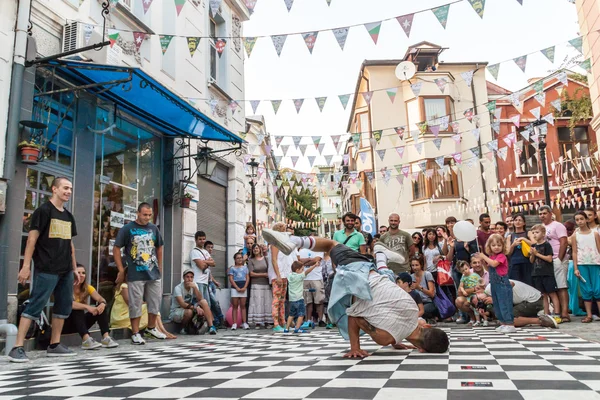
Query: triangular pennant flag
pixel 377 135
pixel 521 62
pixel 455 126
pixel 310 38
pixel 468 77
pixel 344 99
pixel 496 126
pixel 289 4
pixel 493 145
pixel 233 105
pixel 113 36
pixel 525 134
pixel 422 165
pixel 250 4
pixel 298 104
pixel 493 70
pixel 278 140
pixel 457 157
pixel 577 43
pixel 249 43
pixel 419 147
pixel 275 104
pixel 146 5
pixel 538 86
pixel 363 157
pixel 214 6
pixel 278 160
pixel 478 6
pixel 367 96
pixel 336 140
pixel 391 92
pixel 549 53
pixel 468 114
pixel 441 13
pixel 297 140
pixel 192 43
pixel 440 161
pixel 165 41
pixel 416 88
pixel 476 132
pixel 345 158
pixel 381 154
pixel 444 122
pixel 422 129
pixel 556 104
pixel 541 98
pixel 549 118
pixel 400 132
pixel 491 106
pixel 311 160
pixel 356 138
pixel 400 151
pixel 587 65
pixel 328 160
pixel 138 39
pixel 179 5
pixel 328 2
pixel 562 77
pixel 254 104
pixel 373 142
pixel 441 83
pixel 456 138
pixel 435 129
pixel 320 148
pixel 476 152
pixel 373 29
pixel 302 149
pixel 405 22
pixel 535 112
pixel 502 153
pixel 294 160
pixel 321 102
pixel 438 143
pixel 340 35
pixel 278 42
pixel 516 119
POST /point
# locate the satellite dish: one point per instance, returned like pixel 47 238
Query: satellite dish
pixel 405 70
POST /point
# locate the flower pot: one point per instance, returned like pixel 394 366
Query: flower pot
pixel 30 155
pixel 185 202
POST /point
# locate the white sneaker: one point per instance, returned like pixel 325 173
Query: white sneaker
pixel 90 344
pixel 485 322
pixel 499 328
pixel 391 256
pixel 155 333
pixel 595 317
pixel 477 323
pixel 245 326
pixel 508 329
pixel 233 327
pixel 137 339
pixel 280 240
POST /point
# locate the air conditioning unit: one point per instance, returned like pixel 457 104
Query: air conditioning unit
pixel 74 37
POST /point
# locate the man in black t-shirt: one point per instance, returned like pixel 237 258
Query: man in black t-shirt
pixel 50 247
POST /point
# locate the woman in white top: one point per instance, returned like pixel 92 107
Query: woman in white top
pixel 433 251
pixel 586 262
pixel 279 270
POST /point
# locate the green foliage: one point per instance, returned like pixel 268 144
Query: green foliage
pixel 579 78
pixel 578 108
pixel 307 199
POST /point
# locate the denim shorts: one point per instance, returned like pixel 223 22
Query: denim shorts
pixel 44 285
pixel 297 308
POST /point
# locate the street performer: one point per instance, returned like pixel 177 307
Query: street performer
pixel 365 297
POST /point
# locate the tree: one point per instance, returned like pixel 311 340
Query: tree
pixel 307 200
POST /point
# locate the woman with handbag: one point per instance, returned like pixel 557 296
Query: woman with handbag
pixel 433 252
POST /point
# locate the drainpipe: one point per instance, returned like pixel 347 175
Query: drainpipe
pixel 12 136
pixel 483 185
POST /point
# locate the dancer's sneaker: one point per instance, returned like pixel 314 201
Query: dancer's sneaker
pixel 280 240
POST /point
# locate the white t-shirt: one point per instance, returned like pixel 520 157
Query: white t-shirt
pixel 199 275
pixel 317 273
pixel 522 292
pixel 284 263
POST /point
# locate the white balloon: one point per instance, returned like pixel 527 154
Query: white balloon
pixel 465 231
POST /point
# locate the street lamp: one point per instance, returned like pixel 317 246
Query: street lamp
pixel 253 165
pixel 540 128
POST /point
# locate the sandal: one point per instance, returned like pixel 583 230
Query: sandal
pixel 586 320
pixel 566 319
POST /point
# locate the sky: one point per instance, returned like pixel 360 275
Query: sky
pixel 507 30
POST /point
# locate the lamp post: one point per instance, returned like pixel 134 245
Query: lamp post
pixel 253 165
pixel 540 130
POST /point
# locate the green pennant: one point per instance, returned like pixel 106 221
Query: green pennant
pixel 249 43
pixel 538 86
pixel 549 53
pixel 275 104
pixel 494 70
pixel 344 99
pixel 165 41
pixel 356 138
pixel 113 36
pixel 587 65
pixel 373 28
pixel 377 135
pixel 478 6
pixel 441 13
pixel 577 43
pixel 193 43
pixel 491 105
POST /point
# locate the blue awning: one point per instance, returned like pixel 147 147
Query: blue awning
pixel 146 98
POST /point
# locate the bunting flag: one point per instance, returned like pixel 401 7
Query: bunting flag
pixel 275 104
pixel 373 142
pixel 476 152
pixel 419 147
pixel 179 5
pixel 254 104
pixel 476 132
pixel 373 29
pixel 345 159
pixel 400 132
pixel 478 6
pixel 220 46
pixel 496 126
pixel 298 104
pixel 577 43
pixel 311 160
pixel 302 149
pixel 562 77
pixel 405 22
pixel 468 77
pixel 400 151
pixel 468 114
pixel 278 140
pixel 405 170
pixel 113 36
pixel 516 119
pixel 548 52
pixel 556 104
pixel 441 13
pixel 213 4
pixel 440 161
pixel 457 157
pixel 502 153
pixel 493 70
pixel 146 5
pixel 367 96
pixel 363 157
pixel 233 105
pixel 587 65
pixel 435 129
pixel 422 129
pixel 249 43
pixel 192 43
pixel 336 140
pixel 297 140
pixel 344 99
pixel 377 135
pixel 310 38
pixel 416 88
pixel 422 165
pixel 356 138
pixel 294 160
pixel 391 92
pixel 441 83
pixel 278 42
pixel 138 39
pixel 328 160
pixel 165 41
pixel 549 118
pixel 438 143
pixel 455 126
pixel 444 122
pixel 538 86
pixel 491 106
pixel 320 148
pixel 493 145
pixel 381 154
pixel 541 98
pixel 536 112
pixel 340 35
pixel 521 62
pixel 289 4
pixel 278 160
pixel 321 102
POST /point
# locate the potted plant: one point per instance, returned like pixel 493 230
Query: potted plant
pixel 186 200
pixel 30 151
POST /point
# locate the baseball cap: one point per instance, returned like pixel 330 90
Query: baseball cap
pixel 405 277
pixel 187 271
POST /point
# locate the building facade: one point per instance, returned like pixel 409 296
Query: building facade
pixel 127 124
pixel 415 140
pixel 329 195
pixel 588 14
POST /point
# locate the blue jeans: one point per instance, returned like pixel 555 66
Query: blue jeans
pixel 215 307
pixel 502 297
pixel 44 285
pixel 297 308
pixel 456 278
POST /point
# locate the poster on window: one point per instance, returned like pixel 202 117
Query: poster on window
pixel 117 220
pixel 130 213
pixel 111 244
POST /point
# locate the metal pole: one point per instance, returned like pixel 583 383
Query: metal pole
pixel 545 171
pixel 253 164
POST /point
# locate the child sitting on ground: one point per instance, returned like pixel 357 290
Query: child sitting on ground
pixel 404 280
pixel 296 295
pixel 468 282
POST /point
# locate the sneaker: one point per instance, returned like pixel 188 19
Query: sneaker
pixel 154 333
pixel 183 331
pixel 18 355
pixel 461 321
pixel 557 318
pixel 90 344
pixel 508 329
pixel 212 330
pixel 485 323
pixel 477 323
pixel 233 327
pixel 109 342
pixel 322 324
pixel 136 338
pixel 278 328
pixel 547 321
pixel 60 351
pixel 392 256
pixel 280 240
pixel 499 328
pixel 245 326
pixel 595 317
pixel 300 331
pixel 286 331
pixel 329 326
